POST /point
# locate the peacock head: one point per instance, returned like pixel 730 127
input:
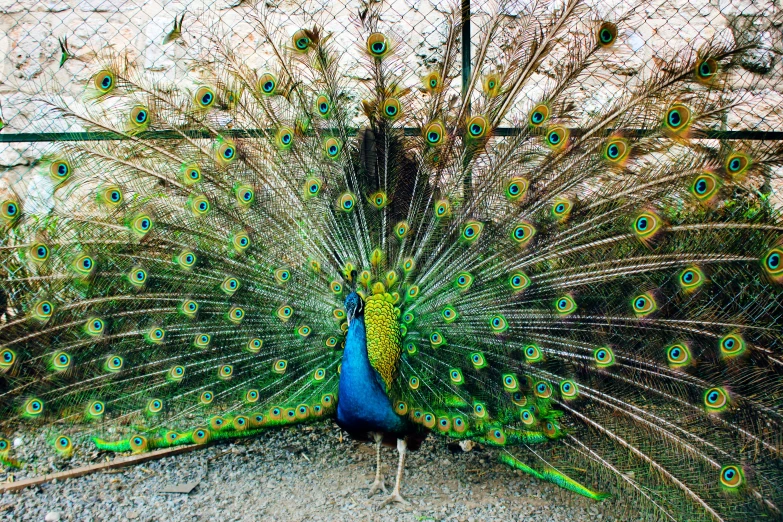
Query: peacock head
pixel 354 306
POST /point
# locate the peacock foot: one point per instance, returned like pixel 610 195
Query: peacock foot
pixel 395 497
pixel 377 486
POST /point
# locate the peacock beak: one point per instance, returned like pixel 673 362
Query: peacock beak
pixel 349 317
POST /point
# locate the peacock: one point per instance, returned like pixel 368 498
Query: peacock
pixel 590 291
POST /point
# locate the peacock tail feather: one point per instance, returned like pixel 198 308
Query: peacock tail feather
pixel 603 306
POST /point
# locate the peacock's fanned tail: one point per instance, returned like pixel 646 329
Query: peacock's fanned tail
pixel 604 306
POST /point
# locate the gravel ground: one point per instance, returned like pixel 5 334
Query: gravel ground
pixel 306 473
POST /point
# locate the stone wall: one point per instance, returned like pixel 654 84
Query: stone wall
pixel 30 51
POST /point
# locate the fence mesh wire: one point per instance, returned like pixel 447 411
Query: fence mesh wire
pixel 36 33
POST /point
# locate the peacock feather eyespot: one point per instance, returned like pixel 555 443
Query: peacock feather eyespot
pixel 551 430
pixel 110 196
pixel 678 355
pixel 527 417
pixel 302 40
pixel 236 314
pixel 471 231
pixel 225 372
pixel 199 205
pixel 230 285
pixel 83 265
pixel 479 410
pixel 533 354
pixel 191 173
pixel 10 211
pixel 391 109
pixel 542 390
pixel 7 359
pixel 378 46
pixel 202 340
pixel 280 366
pixel 412 293
pixel 284 313
pixel 154 406
pixel 141 224
pixel 561 209
pixel 456 376
pixel 442 208
pixel 737 164
pixel 200 436
pixel 113 364
pixel 443 424
pixel 413 382
pixel 516 188
pixel 522 233
pixel 38 253
pixel 323 106
pixel 569 390
pixel 63 445
pixel 156 335
pixel 139 117
pixel 432 82
pixel 332 148
pixel 304 331
pixel 94 326
pixel 644 305
pixel 32 408
pixel 732 345
pixel 284 138
pixel 206 397
pixel 607 34
pixel 138 443
pixel 477 127
pixel 245 195
pixel 678 119
pixel 646 225
pixel 267 84
pixel 171 437
pixel 449 314
pixel 176 373
pixel 282 275
pixel 565 305
pixel 477 360
pixel 240 241
pixel 60 170
pixel 706 70
pixel 252 396
pixel 379 200
pixel 225 152
pixel 492 84
pixel 463 281
pixel 434 133
pixel 60 361
pixel 95 409
pixel 312 187
pixel 557 137
pixel 428 420
pixel 346 202
pixel 437 339
pixel 302 411
pixel 518 281
pixel 411 348
pixel 401 230
pixel 732 477
pixel 716 400
pixel 616 151
pixel 604 357
pixel 240 423
pixel 204 98
pixel 498 324
pixel 42 311
pixel 104 82
pixel 539 115
pixel 691 278
pixel 772 263
pixel 510 382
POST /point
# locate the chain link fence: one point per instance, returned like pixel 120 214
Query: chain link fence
pixel 37 34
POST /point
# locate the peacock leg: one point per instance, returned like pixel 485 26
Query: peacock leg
pixel 378 485
pixel 402 447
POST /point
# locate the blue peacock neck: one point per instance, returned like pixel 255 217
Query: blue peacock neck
pixel 362 404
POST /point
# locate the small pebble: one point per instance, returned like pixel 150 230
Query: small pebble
pixel 52 516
